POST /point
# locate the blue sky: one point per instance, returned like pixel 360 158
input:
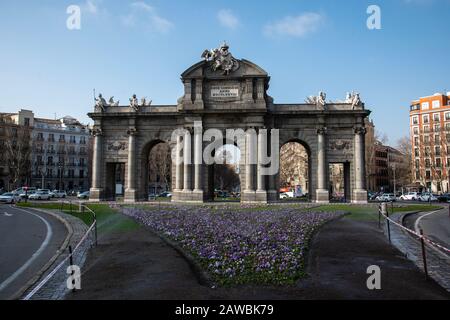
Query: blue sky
pixel 142 47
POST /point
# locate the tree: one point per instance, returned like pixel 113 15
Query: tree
pixel 160 162
pixel 18 153
pixel 403 169
pixel 225 175
pixel 293 165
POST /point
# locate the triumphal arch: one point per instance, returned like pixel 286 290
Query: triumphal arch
pixel 222 93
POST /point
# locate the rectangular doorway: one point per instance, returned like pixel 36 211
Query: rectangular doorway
pixel 115 180
pixel 339 188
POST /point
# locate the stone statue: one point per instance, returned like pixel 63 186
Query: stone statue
pixel 319 100
pixel 144 102
pixel 221 59
pixel 113 103
pixel 134 104
pixel 100 102
pixel 353 99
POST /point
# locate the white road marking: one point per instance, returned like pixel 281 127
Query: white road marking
pixel 44 245
pixel 416 224
pixel 7 214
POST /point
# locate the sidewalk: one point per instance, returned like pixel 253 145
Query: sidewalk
pixel 139 265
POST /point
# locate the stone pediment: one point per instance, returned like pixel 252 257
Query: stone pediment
pixel 203 69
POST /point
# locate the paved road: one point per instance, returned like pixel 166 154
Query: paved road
pixel 28 240
pixel 436 226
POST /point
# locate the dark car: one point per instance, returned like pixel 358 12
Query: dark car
pixel 444 197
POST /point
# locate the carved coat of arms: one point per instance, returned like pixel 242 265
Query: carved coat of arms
pixel 221 59
pixel 341 145
pixel 117 146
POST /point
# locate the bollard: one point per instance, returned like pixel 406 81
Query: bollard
pixel 71 262
pixel 424 256
pixel 379 216
pixel 386 212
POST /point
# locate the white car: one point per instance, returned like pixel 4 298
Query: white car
pixel 9 197
pixel 412 196
pixel 426 197
pixel 40 195
pixel 58 194
pixel 386 197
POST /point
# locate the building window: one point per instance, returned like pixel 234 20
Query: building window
pixel 426 139
pixel 447 116
pixel 428 175
pixel 415 120
pixel 437 128
pixel 436 104
pixel 427 163
pixel 417 162
pixel 416 152
pixel 437 150
pixel 437 139
pixel 416 141
pixel 425 105
pixel 436 117
pixel 438 163
pixel 26 122
pixel 426 129
pixel 416 130
pixel 426 118
pixel 417 175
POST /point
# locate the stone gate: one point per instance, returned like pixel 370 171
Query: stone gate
pixel 222 92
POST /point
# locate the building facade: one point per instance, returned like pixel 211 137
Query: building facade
pixel 60 152
pixel 430 140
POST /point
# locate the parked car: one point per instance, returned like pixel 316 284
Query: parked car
pixel 24 192
pixel 9 197
pixel 444 197
pixel 412 196
pixel 83 195
pixel 58 194
pixel 40 195
pixel 386 197
pixel 284 195
pixel 166 194
pixel 428 197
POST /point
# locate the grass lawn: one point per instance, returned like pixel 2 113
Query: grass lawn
pixel 108 220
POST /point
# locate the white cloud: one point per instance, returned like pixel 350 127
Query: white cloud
pixel 298 26
pixel 228 19
pixel 145 15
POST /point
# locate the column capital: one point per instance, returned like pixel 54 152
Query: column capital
pixel 360 130
pixel 132 131
pixel 322 131
pixel 97 132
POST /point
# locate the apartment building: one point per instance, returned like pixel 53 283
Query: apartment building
pixel 60 154
pixel 430 140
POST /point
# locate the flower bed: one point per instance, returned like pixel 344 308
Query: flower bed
pixel 239 246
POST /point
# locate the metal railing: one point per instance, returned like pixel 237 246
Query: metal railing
pixel 72 207
pixel 383 212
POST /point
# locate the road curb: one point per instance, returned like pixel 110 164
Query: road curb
pixel 47 266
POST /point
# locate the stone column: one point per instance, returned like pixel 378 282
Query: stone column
pixel 251 158
pixel 322 195
pixel 178 166
pixel 130 191
pixel 360 192
pixel 272 188
pixel 187 161
pixel 96 189
pixel 261 194
pixel 198 162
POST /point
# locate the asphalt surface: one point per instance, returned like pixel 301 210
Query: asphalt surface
pixel 435 225
pixel 28 240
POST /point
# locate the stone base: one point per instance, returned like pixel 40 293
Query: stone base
pixel 359 196
pixel 95 194
pixel 130 195
pixel 261 196
pixel 248 196
pixel 189 196
pixel 322 196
